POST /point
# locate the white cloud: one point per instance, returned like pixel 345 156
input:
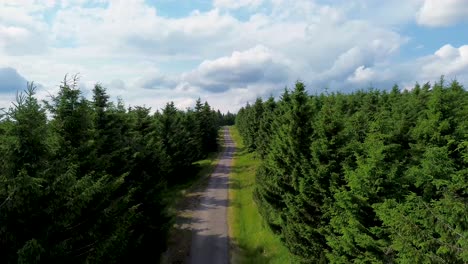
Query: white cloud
pixel 136 52
pixel 158 81
pixel 362 74
pixel 448 60
pixel 442 13
pixel 235 4
pixel 448 52
pixel 22 30
pixel 256 65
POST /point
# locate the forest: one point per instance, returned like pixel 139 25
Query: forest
pixel 89 180
pixel 372 176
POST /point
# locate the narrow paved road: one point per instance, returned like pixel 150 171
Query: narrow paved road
pixel 210 240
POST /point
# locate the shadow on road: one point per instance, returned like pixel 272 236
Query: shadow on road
pixel 200 234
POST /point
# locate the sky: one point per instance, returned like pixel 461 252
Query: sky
pixel 228 52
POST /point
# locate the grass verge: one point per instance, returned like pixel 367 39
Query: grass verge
pixel 252 240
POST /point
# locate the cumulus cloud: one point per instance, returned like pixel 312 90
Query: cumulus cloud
pixel 229 54
pixel 158 81
pixel 448 60
pixel 256 65
pixel 236 4
pixel 442 13
pixel 133 28
pixel 22 30
pixel 362 74
pixel 11 81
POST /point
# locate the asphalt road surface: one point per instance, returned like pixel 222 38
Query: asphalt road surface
pixel 210 240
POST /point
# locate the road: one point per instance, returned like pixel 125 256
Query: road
pixel 210 239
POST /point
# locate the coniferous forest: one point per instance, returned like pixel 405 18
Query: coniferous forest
pixel 367 177
pixel 87 180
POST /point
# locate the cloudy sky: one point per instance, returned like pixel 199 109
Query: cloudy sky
pixel 229 51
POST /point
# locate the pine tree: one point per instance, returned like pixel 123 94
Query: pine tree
pixel 25 154
pixel 175 139
pixel 368 177
pixel 265 129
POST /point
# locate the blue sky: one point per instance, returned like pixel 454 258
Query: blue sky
pixel 229 51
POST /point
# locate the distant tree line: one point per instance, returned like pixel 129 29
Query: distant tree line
pixel 228 119
pixel 87 181
pixel 367 177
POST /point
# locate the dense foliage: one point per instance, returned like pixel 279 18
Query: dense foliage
pixel 88 180
pixel 367 177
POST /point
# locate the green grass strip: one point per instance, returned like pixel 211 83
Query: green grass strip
pixel 252 240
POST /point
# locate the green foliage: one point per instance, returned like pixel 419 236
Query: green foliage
pixel 248 121
pixel 367 177
pixel 205 129
pixel 227 119
pixel 253 241
pixel 91 183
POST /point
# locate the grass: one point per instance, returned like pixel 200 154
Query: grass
pixel 253 241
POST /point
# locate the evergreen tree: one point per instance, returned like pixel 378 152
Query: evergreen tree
pixel 367 177
pixel 174 138
pixel 25 154
pixel 89 184
pixel 265 129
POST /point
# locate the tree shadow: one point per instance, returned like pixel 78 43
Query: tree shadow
pixel 191 241
pixel 208 248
